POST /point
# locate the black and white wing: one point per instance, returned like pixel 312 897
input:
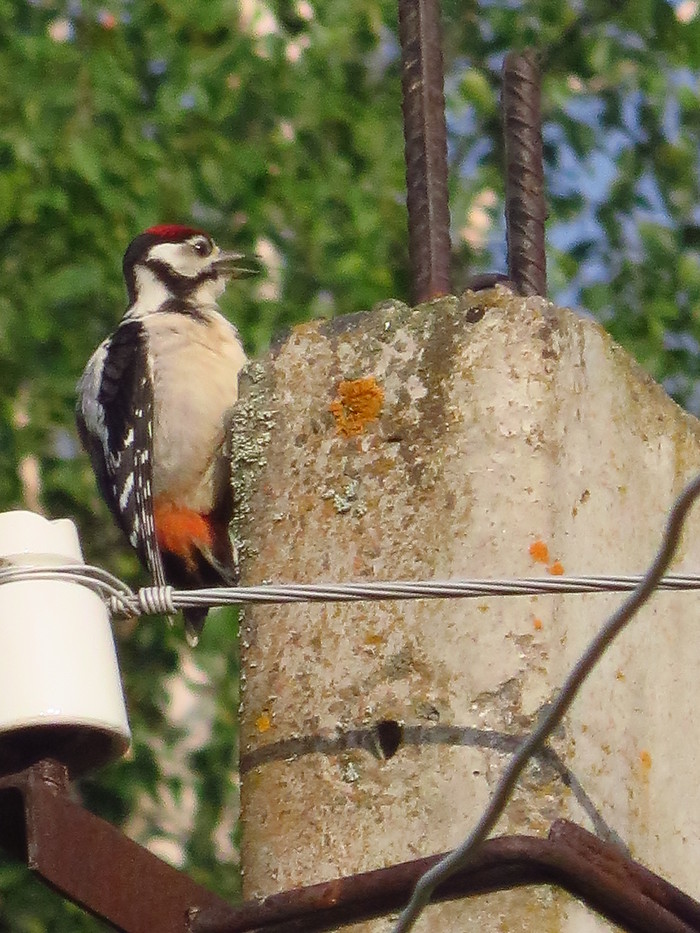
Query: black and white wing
pixel 114 415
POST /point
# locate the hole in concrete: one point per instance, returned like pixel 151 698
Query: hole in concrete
pixel 389 736
pixel 474 314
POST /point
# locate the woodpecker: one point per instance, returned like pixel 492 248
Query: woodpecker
pixel 152 406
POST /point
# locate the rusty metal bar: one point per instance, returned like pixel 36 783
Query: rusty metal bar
pixel 425 135
pixel 621 890
pixel 608 860
pixel 94 865
pixel 90 861
pixel 526 209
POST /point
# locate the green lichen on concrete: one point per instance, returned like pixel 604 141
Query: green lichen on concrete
pixel 346 501
pixel 251 424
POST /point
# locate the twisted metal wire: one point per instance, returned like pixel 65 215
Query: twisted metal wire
pixel 154 600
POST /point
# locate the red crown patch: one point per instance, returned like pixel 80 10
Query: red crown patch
pixel 174 231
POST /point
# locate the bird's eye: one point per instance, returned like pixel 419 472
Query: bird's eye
pixel 202 247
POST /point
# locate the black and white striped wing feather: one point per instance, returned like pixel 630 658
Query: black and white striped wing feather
pixel 115 422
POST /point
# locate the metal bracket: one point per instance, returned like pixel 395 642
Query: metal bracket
pixel 91 862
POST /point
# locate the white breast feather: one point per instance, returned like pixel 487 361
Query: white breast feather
pixel 195 382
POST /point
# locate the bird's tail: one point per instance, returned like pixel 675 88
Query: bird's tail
pixel 215 567
pixel 194 617
pixel 201 556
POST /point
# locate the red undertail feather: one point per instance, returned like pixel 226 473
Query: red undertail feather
pixel 182 532
pixel 196 552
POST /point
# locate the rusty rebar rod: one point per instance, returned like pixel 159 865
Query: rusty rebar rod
pixel 526 209
pixel 425 135
pixel 621 890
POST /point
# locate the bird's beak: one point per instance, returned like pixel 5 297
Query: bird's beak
pixel 237 265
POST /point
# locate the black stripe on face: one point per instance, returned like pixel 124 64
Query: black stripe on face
pixel 181 286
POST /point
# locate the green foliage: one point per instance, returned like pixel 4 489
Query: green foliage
pixel 277 126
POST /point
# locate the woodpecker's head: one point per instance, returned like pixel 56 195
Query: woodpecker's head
pixel 171 261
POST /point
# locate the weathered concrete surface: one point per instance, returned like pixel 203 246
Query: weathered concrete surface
pixel 459 439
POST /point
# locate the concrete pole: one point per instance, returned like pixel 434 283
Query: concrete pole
pixel 481 436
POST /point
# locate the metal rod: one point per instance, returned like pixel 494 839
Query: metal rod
pixel 425 135
pixel 626 872
pixel 90 861
pixel 621 890
pixel 526 210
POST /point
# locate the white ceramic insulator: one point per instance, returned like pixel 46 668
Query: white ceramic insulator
pixel 60 689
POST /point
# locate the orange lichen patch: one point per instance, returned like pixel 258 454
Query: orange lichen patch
pixel 263 722
pixel 620 675
pixel 178 530
pixel 537 624
pixel 556 569
pixel 645 759
pixel 539 552
pixel 357 403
